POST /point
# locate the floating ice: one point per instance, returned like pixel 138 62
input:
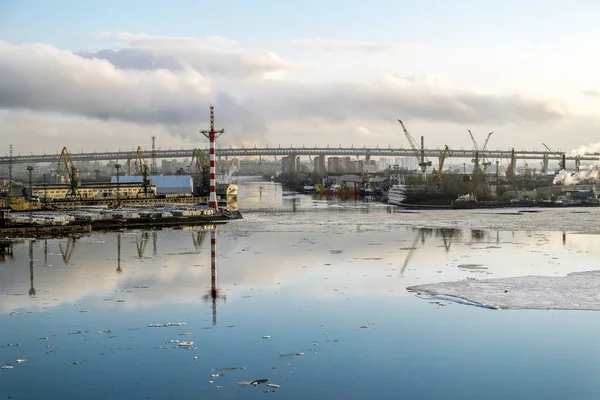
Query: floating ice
pixel 576 291
pixel 167 324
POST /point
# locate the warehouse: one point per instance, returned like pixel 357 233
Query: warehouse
pixel 167 184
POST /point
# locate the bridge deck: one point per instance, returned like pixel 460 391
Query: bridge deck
pixel 299 151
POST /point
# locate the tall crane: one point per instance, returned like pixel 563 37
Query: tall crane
pixel 421 159
pixel 485 162
pixel 144 171
pixel 442 161
pixel 72 173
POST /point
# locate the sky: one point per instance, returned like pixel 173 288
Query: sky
pixel 108 75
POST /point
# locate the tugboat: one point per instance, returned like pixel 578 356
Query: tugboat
pixel 465 201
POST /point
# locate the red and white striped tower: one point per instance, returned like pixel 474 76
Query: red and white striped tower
pixel 212 138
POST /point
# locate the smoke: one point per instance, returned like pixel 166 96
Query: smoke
pixel 591 172
pixel 583 150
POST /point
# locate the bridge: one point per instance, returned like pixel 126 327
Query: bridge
pixel 367 152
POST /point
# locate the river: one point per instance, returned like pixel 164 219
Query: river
pixel 307 293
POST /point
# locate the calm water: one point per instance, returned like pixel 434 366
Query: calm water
pixel 309 293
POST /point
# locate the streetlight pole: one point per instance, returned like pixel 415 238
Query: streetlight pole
pixel 118 166
pixel 30 169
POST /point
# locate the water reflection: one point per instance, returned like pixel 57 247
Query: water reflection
pixel 6 249
pixel 214 293
pixel 119 252
pixel 67 252
pixel 141 243
pixel 31 287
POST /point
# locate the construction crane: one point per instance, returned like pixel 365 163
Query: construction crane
pixel 421 159
pixel 475 160
pixel 72 173
pixel 440 171
pixel 144 171
pixel 560 156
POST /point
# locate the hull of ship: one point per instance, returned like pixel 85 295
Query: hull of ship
pixel 341 193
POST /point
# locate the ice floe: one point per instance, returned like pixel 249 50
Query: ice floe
pixel 575 291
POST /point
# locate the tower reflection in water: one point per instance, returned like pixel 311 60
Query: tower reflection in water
pixel 214 293
pixel 198 239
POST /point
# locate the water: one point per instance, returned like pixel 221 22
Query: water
pixel 325 280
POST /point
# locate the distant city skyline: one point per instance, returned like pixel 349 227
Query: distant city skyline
pixel 109 75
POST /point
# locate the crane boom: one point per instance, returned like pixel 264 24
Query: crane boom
pixel 559 156
pixel 443 160
pixel 421 159
pixel 72 173
pixel 410 139
pixel 144 171
pixel 475 145
pixel 486 141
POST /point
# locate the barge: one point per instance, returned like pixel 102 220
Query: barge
pixel 28 226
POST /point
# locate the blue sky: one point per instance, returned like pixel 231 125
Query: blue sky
pixel 264 23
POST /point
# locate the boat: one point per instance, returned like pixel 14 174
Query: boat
pixel 336 190
pixel 227 189
pixel 396 195
pixel 468 200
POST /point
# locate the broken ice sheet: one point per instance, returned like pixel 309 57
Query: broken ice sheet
pixel 575 291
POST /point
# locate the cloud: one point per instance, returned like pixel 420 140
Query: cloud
pixel 148 41
pixel 591 92
pixel 162 84
pixel 362 132
pixel 42 78
pixel 211 56
pixel 333 45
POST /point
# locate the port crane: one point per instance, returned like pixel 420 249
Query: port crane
pixel 145 172
pixel 423 161
pixel 445 155
pixel 559 156
pixel 72 173
pixel 484 162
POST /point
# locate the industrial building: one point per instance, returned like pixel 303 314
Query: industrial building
pixel 89 191
pixel 162 184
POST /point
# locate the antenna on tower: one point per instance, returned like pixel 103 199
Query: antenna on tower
pixel 10 161
pixel 153 165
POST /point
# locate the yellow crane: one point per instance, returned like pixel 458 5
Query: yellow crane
pixel 445 155
pixel 72 173
pixel 144 171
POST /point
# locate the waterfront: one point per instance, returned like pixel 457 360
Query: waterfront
pixel 309 293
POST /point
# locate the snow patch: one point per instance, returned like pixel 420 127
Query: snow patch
pixel 576 291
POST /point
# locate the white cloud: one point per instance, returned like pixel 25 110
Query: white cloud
pixel 148 41
pixel 362 132
pixel 334 45
pixel 163 86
